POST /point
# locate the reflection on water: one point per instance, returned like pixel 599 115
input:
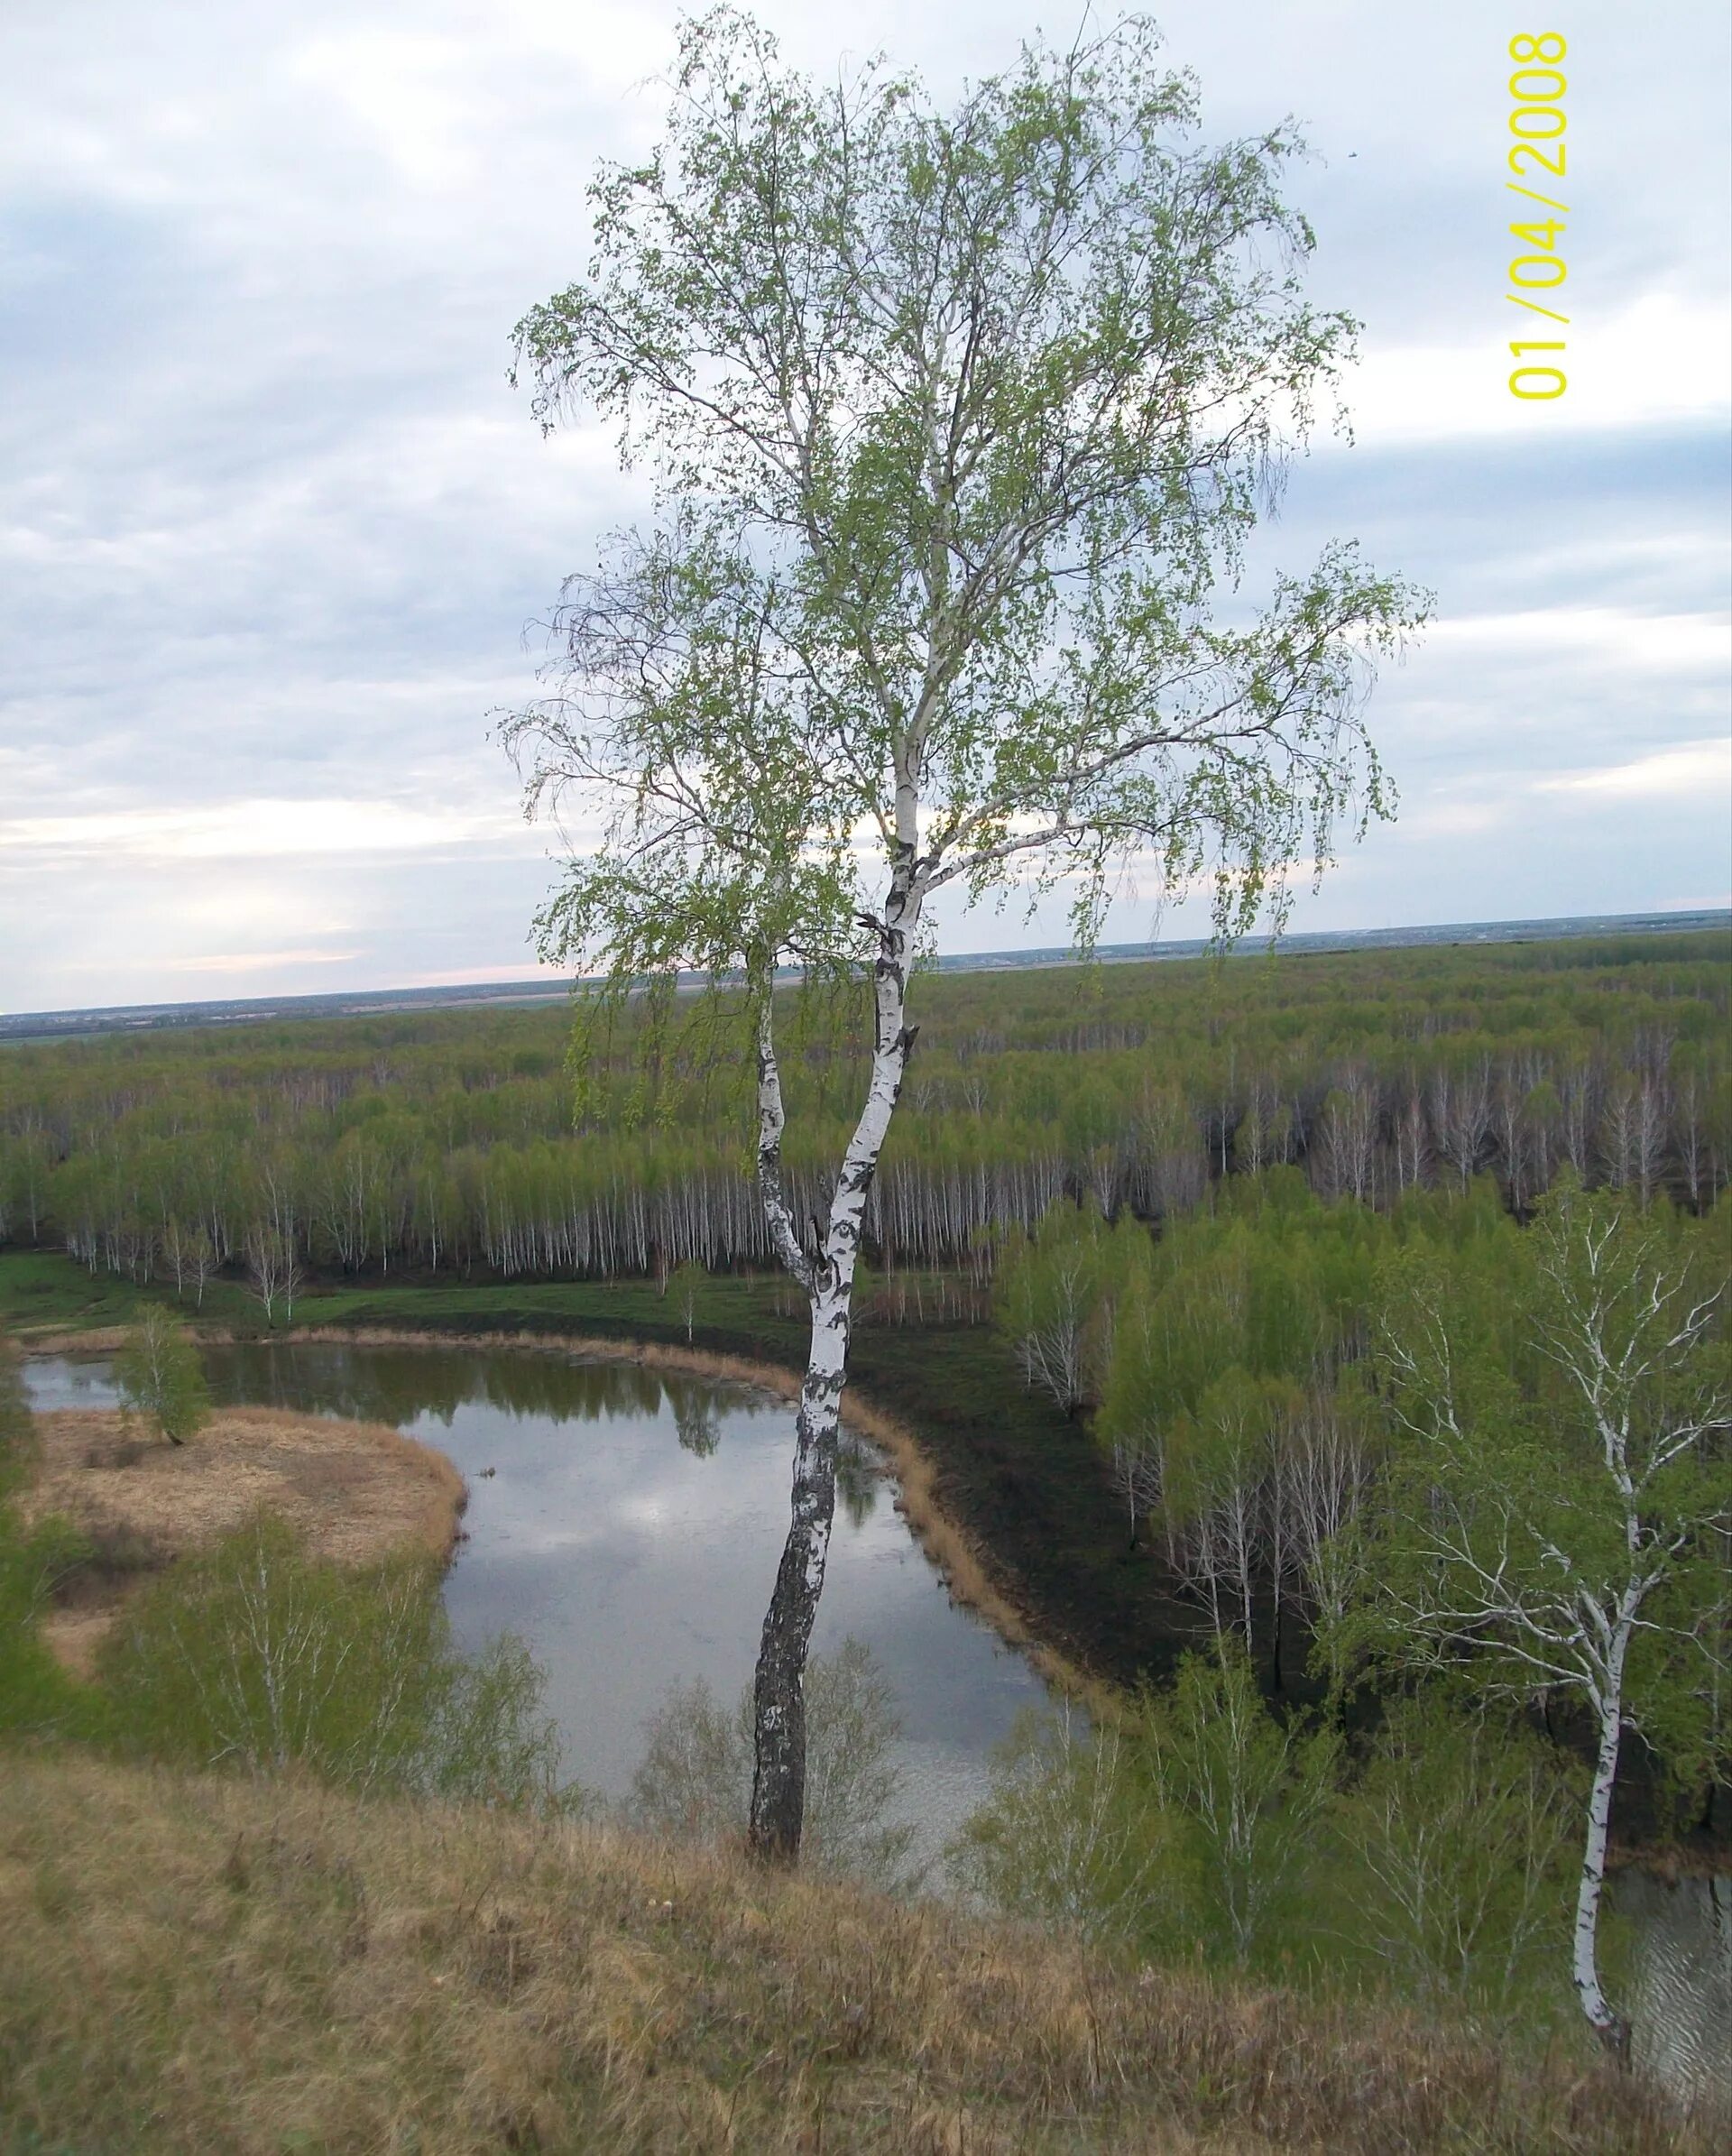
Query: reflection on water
pixel 1680 1977
pixel 627 1522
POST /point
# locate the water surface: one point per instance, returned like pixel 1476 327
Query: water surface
pixel 627 1523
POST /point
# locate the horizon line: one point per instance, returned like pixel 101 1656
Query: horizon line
pixel 547 987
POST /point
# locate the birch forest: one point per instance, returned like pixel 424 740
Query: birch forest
pixel 445 1143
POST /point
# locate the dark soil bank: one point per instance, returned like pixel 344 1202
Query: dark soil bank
pixel 1025 1483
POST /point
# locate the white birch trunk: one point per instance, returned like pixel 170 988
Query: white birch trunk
pixel 779 1779
pixel 1612 2030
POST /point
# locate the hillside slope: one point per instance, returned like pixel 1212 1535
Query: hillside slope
pixel 206 1964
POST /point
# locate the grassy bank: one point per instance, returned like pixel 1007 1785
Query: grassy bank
pixel 202 1964
pixel 357 1491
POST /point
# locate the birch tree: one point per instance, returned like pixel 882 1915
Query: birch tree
pixel 958 423
pixel 161 1378
pixel 1558 1481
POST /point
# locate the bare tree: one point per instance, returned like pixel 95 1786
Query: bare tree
pixel 1326 1471
pixel 1412 1138
pixel 1461 1117
pixel 1344 1145
pixel 1046 1296
pixel 273 1269
pixel 957 419
pixel 1175 1166
pixel 1134 1471
pixel 1690 1138
pixel 684 1288
pixel 1632 1133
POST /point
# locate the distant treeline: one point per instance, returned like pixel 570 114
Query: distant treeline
pixel 445 1141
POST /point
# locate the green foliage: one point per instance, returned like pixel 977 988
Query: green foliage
pixel 1559 1405
pixel 1457 1856
pixel 161 1378
pixel 945 487
pixel 695 1781
pixel 462 1160
pixel 1246 1790
pixel 1187 1825
pixel 1198 1823
pixel 36 1696
pixel 18 1432
pixel 255 1654
pixel 1558 1489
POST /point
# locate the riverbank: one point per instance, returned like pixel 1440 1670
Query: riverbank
pixel 358 1491
pixel 203 1962
pixel 965 1569
pixel 1009 1498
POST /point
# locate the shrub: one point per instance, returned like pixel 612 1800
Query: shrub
pixel 1247 1789
pixel 1067 1837
pixel 695 1782
pixel 1459 1841
pixel 37 1698
pixel 255 1654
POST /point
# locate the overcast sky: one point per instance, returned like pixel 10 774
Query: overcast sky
pixel 272 524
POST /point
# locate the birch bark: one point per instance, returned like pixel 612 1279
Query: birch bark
pixel 779 1779
pixel 1612 2030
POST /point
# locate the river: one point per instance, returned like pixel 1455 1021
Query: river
pixel 626 1523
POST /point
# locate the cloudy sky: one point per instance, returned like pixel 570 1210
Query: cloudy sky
pixel 272 524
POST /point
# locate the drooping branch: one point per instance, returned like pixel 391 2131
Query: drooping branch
pixel 958 421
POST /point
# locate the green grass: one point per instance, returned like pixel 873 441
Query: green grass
pixel 44 1288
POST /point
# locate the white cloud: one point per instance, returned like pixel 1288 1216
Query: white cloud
pixel 1660 357
pixel 404 88
pixel 251 830
pixel 249 961
pixel 1595 636
pixel 1691 771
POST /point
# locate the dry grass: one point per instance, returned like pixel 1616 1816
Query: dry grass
pixel 196 1964
pixel 358 1491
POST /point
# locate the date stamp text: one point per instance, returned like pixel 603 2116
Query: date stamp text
pixel 1538 160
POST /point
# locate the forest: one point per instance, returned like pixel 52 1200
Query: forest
pixel 1384 1292
pixel 445 1144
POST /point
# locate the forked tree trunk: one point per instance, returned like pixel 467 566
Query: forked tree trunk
pixel 779 1779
